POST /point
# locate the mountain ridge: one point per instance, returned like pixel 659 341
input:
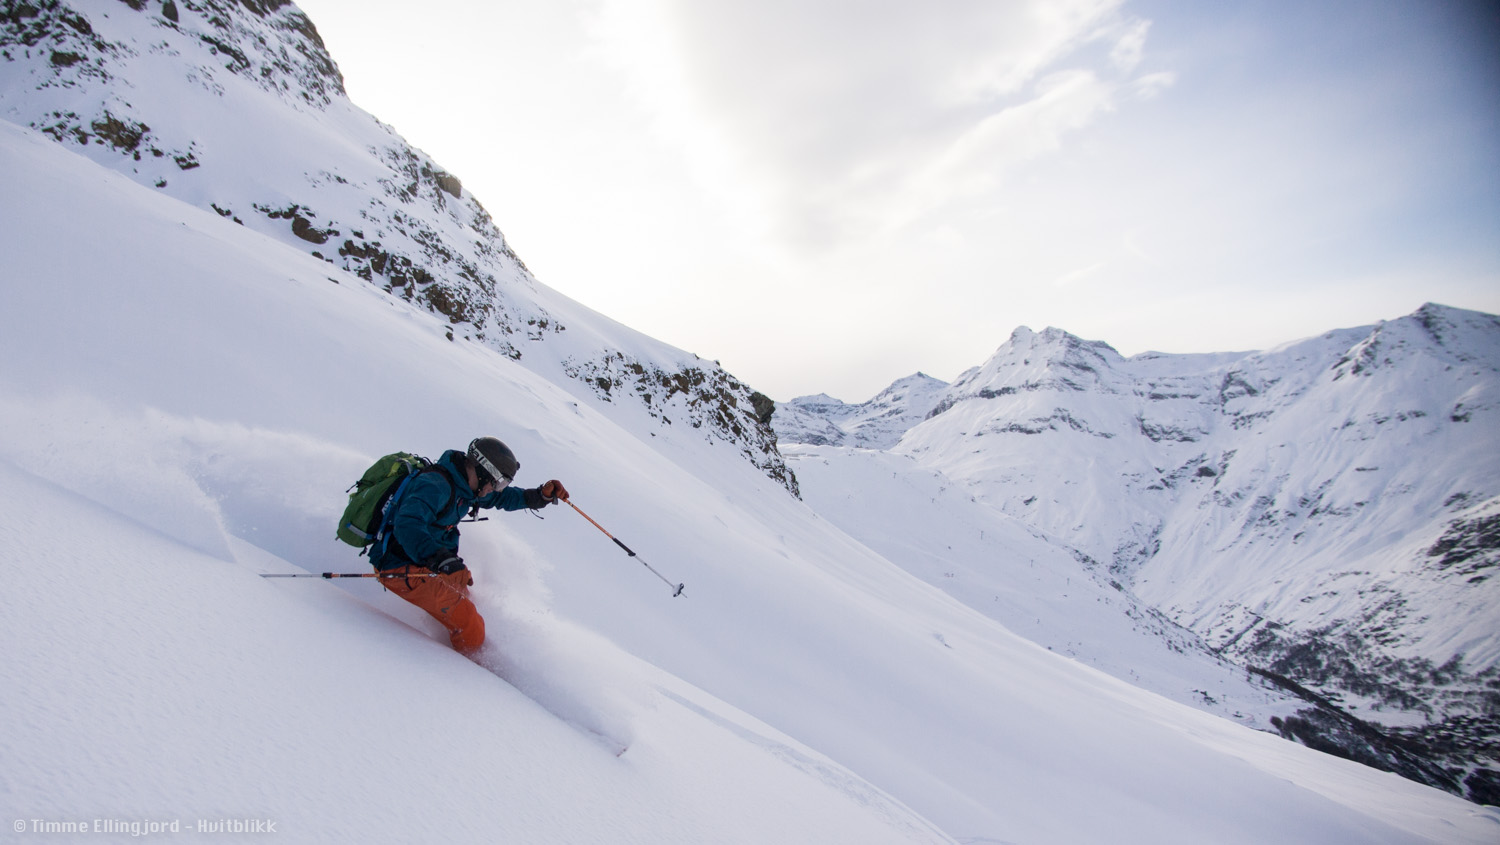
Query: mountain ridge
pixel 1323 512
pixel 876 423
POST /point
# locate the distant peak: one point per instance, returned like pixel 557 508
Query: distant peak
pixel 1024 340
pixel 816 399
pixel 917 378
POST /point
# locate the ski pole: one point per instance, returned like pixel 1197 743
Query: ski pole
pixel 347 575
pixel 677 588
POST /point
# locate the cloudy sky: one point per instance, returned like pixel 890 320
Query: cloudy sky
pixel 827 195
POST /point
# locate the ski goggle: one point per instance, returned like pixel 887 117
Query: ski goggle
pixel 489 472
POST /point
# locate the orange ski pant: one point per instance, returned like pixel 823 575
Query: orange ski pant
pixel 445 598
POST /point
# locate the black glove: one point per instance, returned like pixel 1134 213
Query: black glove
pixel 540 497
pixel 444 563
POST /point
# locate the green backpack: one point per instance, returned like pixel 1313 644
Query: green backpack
pixel 369 496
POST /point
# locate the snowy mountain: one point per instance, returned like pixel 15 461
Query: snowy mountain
pixel 1322 513
pixel 185 398
pixel 236 107
pixel 822 420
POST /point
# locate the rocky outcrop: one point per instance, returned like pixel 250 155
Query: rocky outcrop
pixel 705 398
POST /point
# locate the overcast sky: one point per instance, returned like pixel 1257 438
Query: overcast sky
pixel 828 195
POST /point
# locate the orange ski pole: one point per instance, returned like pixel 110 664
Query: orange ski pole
pixel 677 588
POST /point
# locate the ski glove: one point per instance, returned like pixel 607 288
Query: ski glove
pixel 444 563
pixel 540 497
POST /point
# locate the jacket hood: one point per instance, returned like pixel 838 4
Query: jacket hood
pixel 453 462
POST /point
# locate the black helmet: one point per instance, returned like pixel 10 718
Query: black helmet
pixel 493 461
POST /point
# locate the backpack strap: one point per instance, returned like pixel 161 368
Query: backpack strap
pixel 388 519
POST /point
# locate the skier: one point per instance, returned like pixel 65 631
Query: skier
pixel 423 537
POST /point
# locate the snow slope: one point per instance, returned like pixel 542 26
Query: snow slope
pixel 167 685
pixel 182 403
pixel 933 528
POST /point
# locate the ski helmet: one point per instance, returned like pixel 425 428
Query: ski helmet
pixel 493 461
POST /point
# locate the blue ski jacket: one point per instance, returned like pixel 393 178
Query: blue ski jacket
pixel 425 516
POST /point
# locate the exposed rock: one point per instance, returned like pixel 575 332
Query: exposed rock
pixel 706 398
pixel 304 229
pixel 124 136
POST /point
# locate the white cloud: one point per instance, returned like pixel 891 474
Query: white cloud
pixel 829 123
pixel 1131 43
pixel 1152 84
pixel 1024 42
pixel 1063 102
